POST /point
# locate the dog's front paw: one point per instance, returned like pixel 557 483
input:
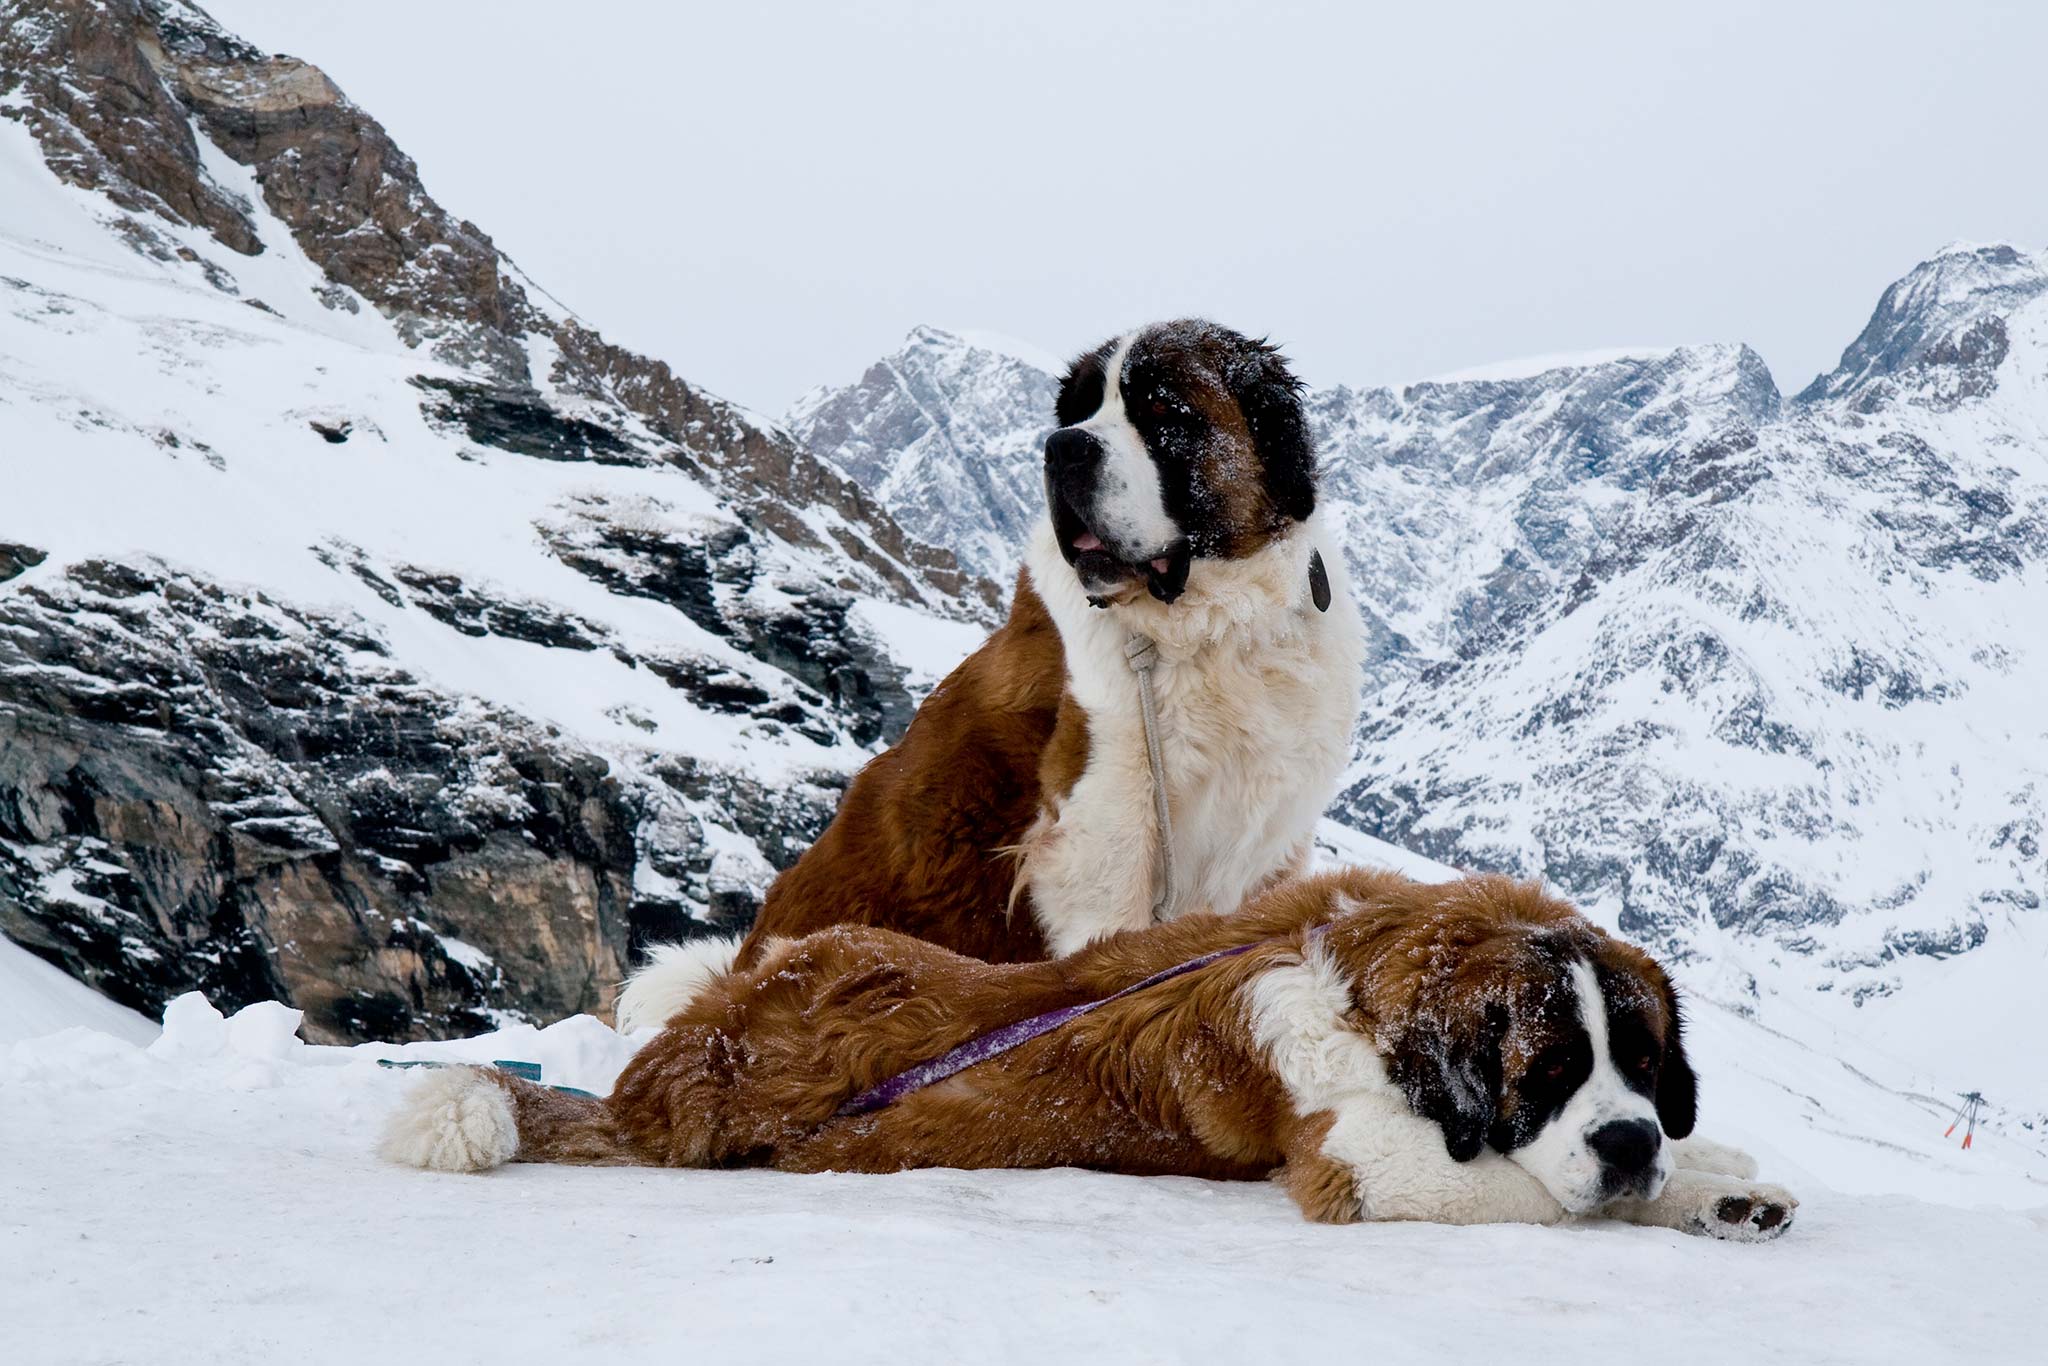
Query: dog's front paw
pixel 1714 1206
pixel 1755 1214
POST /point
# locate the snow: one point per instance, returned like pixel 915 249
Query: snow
pixel 1032 354
pixel 236 1165
pixel 1528 367
pixel 37 998
pixel 1340 845
pixel 928 647
pixel 946 433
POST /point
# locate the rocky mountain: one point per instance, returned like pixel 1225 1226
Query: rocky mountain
pixel 1754 679
pixel 1781 717
pixel 946 433
pixel 1466 502
pixel 374 635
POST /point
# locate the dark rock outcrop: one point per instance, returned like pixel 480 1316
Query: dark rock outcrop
pixel 15 559
pixel 212 790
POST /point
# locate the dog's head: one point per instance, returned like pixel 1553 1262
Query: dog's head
pixel 1514 1023
pixel 1179 442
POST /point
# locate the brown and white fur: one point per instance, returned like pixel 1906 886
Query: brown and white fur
pixel 1471 1052
pixel 1015 818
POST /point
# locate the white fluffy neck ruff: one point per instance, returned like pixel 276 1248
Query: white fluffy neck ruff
pixel 1246 603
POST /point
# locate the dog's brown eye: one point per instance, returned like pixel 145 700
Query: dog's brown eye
pixel 1160 407
pixel 1554 1072
pixel 1646 1063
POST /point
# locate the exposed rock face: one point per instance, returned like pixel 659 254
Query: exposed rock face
pixel 15 559
pixel 212 790
pixel 373 634
pixel 106 122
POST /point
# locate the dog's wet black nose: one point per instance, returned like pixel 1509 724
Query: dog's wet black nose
pixel 1626 1146
pixel 1071 449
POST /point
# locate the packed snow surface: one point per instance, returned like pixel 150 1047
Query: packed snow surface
pixel 36 998
pixel 236 1165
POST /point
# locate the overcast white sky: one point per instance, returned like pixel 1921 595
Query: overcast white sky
pixel 770 195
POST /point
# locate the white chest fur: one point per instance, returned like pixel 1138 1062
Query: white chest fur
pixel 1257 694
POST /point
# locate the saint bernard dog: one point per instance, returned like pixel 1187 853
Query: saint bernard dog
pixel 1017 817
pixel 1470 1052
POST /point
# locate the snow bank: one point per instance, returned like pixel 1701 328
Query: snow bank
pixel 36 999
pixel 237 1167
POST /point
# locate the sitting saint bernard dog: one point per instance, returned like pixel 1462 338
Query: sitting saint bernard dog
pixel 1471 1052
pixel 1019 815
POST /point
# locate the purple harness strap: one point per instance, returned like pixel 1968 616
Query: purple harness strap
pixel 997 1042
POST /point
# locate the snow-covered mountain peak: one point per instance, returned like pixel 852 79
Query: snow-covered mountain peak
pixel 1949 313
pixel 1004 344
pixel 945 431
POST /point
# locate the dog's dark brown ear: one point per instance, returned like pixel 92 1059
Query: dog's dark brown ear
pixel 1270 397
pixel 1451 1077
pixel 1081 390
pixel 1678 1090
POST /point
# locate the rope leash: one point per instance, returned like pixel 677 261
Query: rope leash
pixel 1142 654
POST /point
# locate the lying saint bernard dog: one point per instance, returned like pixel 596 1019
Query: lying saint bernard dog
pixel 1016 818
pixel 1471 1052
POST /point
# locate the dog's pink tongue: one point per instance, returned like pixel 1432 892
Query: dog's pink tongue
pixel 1161 563
pixel 1087 540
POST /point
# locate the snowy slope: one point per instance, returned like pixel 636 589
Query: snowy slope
pixel 37 999
pixel 236 1164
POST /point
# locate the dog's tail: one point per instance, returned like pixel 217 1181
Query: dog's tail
pixel 671 978
pixel 471 1119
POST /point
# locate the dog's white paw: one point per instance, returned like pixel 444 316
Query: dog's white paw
pixel 455 1120
pixel 1756 1213
pixel 1705 1155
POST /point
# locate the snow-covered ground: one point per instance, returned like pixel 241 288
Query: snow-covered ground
pixel 36 998
pixel 211 1194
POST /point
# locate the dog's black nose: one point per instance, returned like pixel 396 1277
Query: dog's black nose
pixel 1071 449
pixel 1627 1146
